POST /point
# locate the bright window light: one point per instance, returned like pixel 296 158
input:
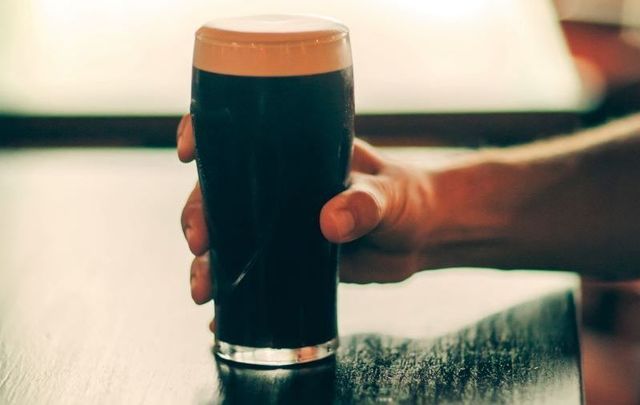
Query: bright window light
pixel 123 57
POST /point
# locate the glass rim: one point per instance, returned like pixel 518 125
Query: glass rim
pixel 272 29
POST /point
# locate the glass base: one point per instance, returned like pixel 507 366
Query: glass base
pixel 264 356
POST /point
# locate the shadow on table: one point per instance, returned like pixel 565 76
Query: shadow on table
pixel 527 354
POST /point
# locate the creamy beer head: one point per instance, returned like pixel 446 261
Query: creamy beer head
pixel 272 45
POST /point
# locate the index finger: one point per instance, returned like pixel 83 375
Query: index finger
pixel 365 158
pixel 185 140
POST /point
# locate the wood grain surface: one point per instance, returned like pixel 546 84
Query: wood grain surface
pixel 95 307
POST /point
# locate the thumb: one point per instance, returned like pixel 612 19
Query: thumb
pixel 356 211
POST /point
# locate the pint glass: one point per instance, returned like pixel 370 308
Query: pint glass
pixel 272 109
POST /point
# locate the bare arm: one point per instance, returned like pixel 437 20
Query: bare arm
pixel 570 203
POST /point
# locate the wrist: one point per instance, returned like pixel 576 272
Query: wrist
pixel 475 203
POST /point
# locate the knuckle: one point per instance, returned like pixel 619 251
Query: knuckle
pixel 184 217
pixel 190 210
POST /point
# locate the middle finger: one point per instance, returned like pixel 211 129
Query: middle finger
pixel 193 223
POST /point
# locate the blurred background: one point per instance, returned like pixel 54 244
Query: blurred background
pixel 428 72
pixel 465 72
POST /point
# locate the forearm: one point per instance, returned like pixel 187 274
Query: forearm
pixel 570 203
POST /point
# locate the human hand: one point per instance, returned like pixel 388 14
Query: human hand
pixel 520 207
pixel 382 219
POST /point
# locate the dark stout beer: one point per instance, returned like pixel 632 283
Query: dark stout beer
pixel 273 140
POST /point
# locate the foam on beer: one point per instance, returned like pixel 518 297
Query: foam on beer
pixel 272 45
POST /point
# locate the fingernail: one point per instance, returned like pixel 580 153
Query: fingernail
pixel 196 273
pixel 188 232
pixel 344 222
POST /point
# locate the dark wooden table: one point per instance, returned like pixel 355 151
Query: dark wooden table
pixel 95 307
